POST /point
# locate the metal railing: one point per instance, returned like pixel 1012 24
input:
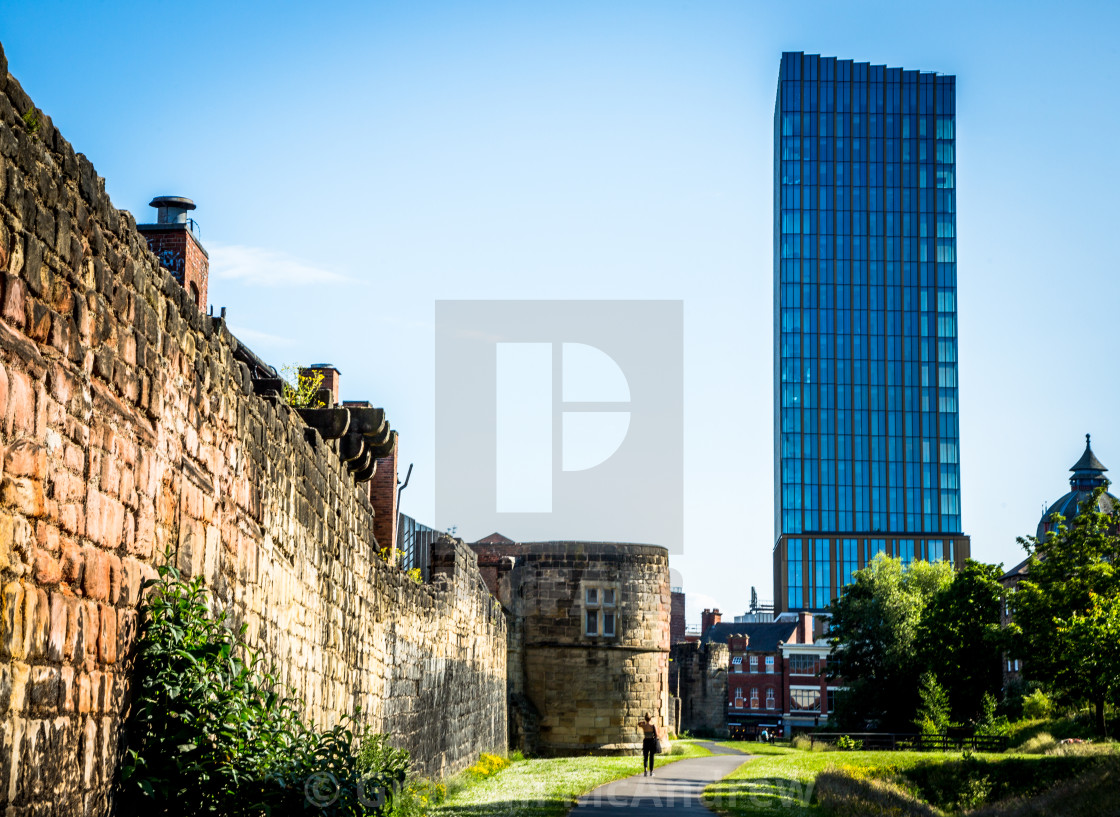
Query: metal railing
pixel 895 741
pixel 414 544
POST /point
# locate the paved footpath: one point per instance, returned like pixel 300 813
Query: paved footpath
pixel 675 786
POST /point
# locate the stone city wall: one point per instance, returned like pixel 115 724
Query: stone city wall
pixel 702 679
pixel 127 430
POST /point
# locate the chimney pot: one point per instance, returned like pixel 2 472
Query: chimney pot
pixel 172 209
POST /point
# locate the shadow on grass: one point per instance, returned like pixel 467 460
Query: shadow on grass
pixel 845 796
pixel 759 794
pixel 508 808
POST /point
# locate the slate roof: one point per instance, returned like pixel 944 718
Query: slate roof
pixel 494 539
pixel 1017 572
pixel 764 637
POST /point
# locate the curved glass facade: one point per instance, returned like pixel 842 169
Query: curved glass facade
pixel 865 337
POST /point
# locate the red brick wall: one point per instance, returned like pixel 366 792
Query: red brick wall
pixel 383 497
pixel 186 259
pixel 676 618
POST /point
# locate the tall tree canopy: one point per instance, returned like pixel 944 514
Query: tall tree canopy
pixel 1066 608
pixel 875 629
pixel 960 639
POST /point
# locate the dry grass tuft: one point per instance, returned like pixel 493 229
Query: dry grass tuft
pixel 844 794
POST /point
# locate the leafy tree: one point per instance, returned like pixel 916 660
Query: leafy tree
pixel 1065 608
pixel 960 638
pixel 1092 642
pixel 875 627
pixel 989 723
pixel 932 717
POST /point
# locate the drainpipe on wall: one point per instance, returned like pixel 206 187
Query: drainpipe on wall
pixel 400 487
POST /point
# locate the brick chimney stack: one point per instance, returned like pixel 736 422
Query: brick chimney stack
pixel 707 619
pixel 329 387
pixel 174 240
pixel 804 628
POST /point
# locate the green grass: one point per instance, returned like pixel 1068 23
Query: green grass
pixel 546 787
pixel 782 780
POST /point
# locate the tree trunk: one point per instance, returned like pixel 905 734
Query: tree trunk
pixel 1100 716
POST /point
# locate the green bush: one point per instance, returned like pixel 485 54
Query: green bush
pixel 208 733
pixel 1037 705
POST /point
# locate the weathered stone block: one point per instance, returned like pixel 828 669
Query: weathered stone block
pixel 11 624
pixel 24 495
pixel 89 619
pixel 44 687
pixel 21 403
pixel 107 635
pixel 95 574
pixel 104 519
pixel 26 458
pixel 48 569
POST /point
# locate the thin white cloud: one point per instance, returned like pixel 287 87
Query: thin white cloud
pixel 266 268
pixel 254 337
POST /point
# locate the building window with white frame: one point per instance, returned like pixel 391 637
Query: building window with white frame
pixel 770 697
pixel 600 613
pixel 803 664
pixel 754 663
pixel 805 700
pixel 737 663
pixel 769 665
pixel 754 697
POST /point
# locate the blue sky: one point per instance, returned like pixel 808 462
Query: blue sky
pixel 353 162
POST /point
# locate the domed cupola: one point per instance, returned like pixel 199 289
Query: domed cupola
pixel 1088 475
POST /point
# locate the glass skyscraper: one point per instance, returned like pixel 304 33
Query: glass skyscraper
pixel 866 435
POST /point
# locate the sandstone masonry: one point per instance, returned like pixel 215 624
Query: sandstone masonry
pixel 702 678
pixel 578 680
pixel 128 429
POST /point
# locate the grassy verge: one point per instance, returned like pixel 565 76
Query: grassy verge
pixel 546 787
pixel 782 780
pixel 858 784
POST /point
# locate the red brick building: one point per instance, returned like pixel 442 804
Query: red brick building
pixel 776 675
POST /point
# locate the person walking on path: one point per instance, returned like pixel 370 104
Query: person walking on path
pixel 649 745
